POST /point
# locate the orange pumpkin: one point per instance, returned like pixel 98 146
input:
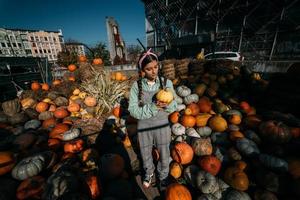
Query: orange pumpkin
pixel 174 117
pixel 124 77
pixel 210 164
pixel 204 105
pixel 7 162
pixel 182 153
pixel 97 61
pixel 49 123
pixel 118 76
pixel 217 123
pixel 234 135
pixel 82 58
pixel 73 107
pixel 175 170
pixel 72 67
pixel 202 119
pixel 56 82
pixel 90 101
pixel 236 178
pixel 188 121
pixel 41 107
pixel 61 113
pixel 35 86
pixel 31 188
pixel 58 130
pixel 45 87
pixel 74 146
pixel 194 109
pixel 235 119
pixel 175 191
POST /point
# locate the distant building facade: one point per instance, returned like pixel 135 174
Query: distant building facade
pixel 78 49
pixel 31 43
pixel 116 44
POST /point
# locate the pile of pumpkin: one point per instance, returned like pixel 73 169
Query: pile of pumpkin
pixel 223 149
pixel 47 143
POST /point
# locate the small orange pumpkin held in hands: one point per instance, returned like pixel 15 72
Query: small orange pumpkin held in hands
pixel 165 96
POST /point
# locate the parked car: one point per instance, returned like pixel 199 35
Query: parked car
pixel 229 55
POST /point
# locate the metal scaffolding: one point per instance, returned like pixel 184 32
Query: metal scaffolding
pixel 260 29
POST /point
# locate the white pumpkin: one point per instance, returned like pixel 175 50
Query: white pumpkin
pixel 183 91
pixel 192 133
pixel 206 182
pixel 192 98
pixel 204 131
pixel 178 99
pixel 71 134
pixel 180 107
pixel 178 129
pixel 180 138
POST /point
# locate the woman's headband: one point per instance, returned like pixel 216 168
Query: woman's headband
pixel 148 53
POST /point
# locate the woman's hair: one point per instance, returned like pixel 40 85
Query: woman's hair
pixel 145 58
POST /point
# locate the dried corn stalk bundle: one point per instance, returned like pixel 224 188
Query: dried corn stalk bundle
pixel 86 70
pixel 107 92
pixel 65 89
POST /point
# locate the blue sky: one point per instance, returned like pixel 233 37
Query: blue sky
pixel 80 20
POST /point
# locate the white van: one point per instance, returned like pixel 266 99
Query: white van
pixel 230 55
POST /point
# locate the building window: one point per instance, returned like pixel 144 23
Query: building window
pixel 37 38
pixel 41 51
pixel 14 45
pixel 45 51
pixel 8 45
pixel 19 45
pixel 36 51
pixel 0 51
pixel 49 51
pixel 46 39
pixel 29 52
pixel 50 57
pixel 54 39
pixel 32 38
pixel 3 44
pixel 33 44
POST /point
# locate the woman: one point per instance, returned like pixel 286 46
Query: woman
pixel 153 124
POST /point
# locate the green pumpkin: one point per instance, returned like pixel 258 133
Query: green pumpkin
pixel 28 167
